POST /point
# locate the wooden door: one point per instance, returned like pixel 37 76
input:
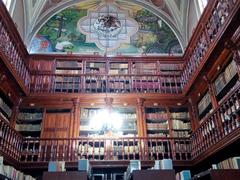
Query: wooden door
pixel 56 125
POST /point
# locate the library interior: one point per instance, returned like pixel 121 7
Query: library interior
pixel 120 90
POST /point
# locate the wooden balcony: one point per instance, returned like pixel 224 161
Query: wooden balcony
pixel 165 84
pixel 218 129
pixel 12 50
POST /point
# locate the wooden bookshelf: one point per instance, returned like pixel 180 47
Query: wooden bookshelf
pixel 68 67
pixel 5 107
pixel 204 105
pixel 153 174
pixel 181 126
pixel 157 122
pixel 29 122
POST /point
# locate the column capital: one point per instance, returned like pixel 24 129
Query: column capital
pixel 76 102
pixel 140 101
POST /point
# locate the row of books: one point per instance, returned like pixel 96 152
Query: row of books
pixel 183 175
pixel 133 165
pixel 56 166
pixel 156 149
pixel 88 113
pixel 230 163
pixel 118 71
pixel 179 115
pixel 181 134
pixel 30 116
pixel 119 85
pixel 157 116
pixel 119 65
pixel 95 65
pixel 225 77
pixel 88 149
pixel 28 127
pixel 181 125
pixel 5 108
pixel 159 135
pixel 157 126
pixel 11 173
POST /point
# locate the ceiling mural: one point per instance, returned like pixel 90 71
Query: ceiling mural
pixel 116 27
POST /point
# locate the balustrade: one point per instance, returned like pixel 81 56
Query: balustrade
pixel 215 127
pixel 210 30
pixel 41 150
pixel 221 122
pixel 106 83
pixel 10 141
pixel 10 49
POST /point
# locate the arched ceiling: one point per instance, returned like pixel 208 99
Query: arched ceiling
pixel 172 12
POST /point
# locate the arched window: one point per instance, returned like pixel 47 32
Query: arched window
pixel 202 4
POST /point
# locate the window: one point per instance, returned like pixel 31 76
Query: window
pixel 202 4
pixel 7 3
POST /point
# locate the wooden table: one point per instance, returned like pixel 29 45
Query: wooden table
pixel 70 175
pixel 153 175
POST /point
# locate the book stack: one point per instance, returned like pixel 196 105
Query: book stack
pixel 5 107
pixel 181 125
pixel 133 165
pixel 30 116
pixel 157 116
pixel 181 134
pixel 183 175
pixel 230 163
pixel 28 127
pixel 56 166
pixel 180 115
pixel 12 173
pixel 83 165
pixel 157 126
pixel 165 164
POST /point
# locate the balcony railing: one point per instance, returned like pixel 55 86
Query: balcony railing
pixel 10 50
pixel 216 126
pixel 10 141
pixel 106 83
pixel 44 150
pixel 207 35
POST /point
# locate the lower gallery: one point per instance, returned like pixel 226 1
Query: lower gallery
pixel 112 90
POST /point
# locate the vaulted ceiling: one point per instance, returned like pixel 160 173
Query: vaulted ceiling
pixel 178 14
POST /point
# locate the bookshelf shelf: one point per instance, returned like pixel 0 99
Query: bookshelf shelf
pixel 5 107
pixel 29 122
pixel 180 122
pixel 157 121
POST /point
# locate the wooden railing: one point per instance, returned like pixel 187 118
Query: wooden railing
pixel 10 141
pixel 44 150
pixel 208 33
pixel 216 126
pixel 11 51
pixel 105 83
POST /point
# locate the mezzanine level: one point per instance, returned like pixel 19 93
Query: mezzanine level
pixel 217 24
pixel 219 129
